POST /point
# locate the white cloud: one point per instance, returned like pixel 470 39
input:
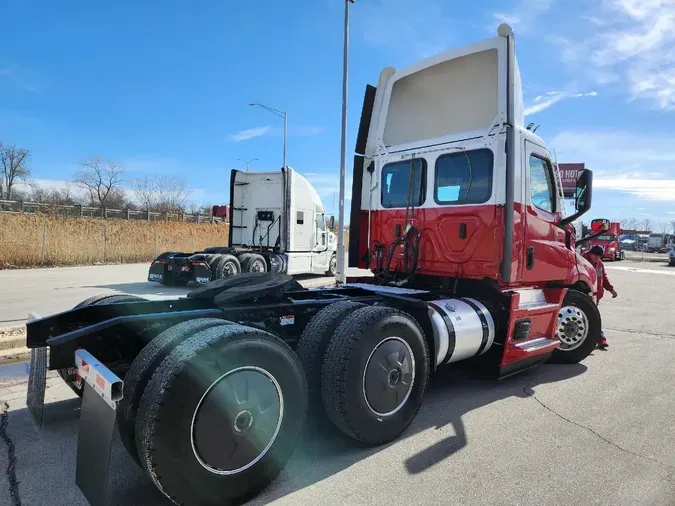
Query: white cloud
pixel 293 131
pixel 546 100
pixel 249 133
pixel 523 17
pixel 639 165
pixel 634 47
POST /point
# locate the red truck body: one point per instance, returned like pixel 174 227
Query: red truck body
pixel 610 242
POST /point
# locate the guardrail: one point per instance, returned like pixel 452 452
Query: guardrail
pixel 20 207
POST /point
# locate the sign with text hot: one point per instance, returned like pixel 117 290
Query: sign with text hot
pixel 569 172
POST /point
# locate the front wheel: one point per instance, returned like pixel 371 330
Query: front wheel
pixel 577 328
pixel 332 266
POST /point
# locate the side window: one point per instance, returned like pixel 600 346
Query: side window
pixel 542 188
pixel 300 218
pixel 464 177
pixel 320 222
pixel 396 188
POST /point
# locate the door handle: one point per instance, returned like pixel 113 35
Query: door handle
pixel 530 258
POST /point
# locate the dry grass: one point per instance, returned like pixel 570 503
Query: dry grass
pixel 35 240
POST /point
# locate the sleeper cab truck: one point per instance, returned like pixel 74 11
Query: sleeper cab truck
pixel 277 224
pixel 457 211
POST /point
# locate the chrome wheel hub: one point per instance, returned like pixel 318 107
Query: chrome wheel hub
pixel 572 328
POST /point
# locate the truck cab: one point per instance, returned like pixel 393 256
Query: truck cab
pixel 449 183
pixel 610 242
pixel 282 212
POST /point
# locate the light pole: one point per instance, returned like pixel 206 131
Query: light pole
pixel 281 114
pixel 247 163
pixel 343 148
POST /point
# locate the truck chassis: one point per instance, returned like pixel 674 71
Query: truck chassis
pixel 260 352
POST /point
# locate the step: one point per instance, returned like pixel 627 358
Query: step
pixel 537 344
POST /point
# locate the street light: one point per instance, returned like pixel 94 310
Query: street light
pixel 281 114
pixel 343 149
pixel 247 163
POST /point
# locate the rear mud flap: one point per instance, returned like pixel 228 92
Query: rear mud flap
pixel 94 441
pixel 37 379
pixel 37 383
pixel 102 391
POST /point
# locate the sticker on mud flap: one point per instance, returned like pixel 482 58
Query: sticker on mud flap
pixel 287 320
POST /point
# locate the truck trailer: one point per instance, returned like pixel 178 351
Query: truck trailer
pixel 458 212
pixel 277 224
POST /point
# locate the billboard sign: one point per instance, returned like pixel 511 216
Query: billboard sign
pixel 569 172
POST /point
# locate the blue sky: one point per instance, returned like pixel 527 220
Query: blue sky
pixel 166 88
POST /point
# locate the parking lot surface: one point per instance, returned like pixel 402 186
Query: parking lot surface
pixel 600 432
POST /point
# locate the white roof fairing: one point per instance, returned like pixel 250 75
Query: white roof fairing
pixel 454 95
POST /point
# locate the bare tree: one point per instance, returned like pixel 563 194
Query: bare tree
pixel 629 224
pixel 102 180
pixel 646 224
pixel 162 193
pixel 663 227
pixel 672 227
pixel 60 196
pixel 13 161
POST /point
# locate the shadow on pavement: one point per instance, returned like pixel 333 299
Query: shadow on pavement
pixel 322 453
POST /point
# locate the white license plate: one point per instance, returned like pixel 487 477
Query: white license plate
pixel 155 277
pixel 203 281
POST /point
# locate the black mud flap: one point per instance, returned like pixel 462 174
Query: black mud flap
pixel 102 391
pixel 37 383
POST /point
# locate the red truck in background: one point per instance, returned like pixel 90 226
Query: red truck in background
pixel 611 243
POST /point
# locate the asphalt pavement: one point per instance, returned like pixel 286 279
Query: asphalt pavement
pixel 49 291
pixel 596 433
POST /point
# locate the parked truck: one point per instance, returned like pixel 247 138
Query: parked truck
pixel 610 242
pixel 658 243
pixel 458 212
pixel 277 224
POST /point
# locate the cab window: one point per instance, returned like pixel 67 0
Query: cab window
pixel 464 177
pixel 542 188
pixel 397 190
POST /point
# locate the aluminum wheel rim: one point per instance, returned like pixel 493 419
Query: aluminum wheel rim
pixel 333 264
pixel 572 328
pixel 258 266
pixel 230 269
pixel 238 423
pixel 389 375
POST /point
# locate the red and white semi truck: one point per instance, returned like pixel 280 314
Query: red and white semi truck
pixel 458 211
pixel 610 242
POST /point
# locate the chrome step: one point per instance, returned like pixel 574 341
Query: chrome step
pixel 537 344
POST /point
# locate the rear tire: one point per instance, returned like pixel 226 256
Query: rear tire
pixel 242 394
pixel 312 345
pixel 142 369
pixel 578 328
pixel 365 394
pixel 226 266
pixel 252 262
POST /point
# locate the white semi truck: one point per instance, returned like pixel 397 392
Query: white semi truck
pixel 277 224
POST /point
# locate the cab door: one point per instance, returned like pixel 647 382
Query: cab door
pixel 320 255
pixel 546 253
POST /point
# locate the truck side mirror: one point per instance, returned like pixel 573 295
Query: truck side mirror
pixel 582 194
pixel 600 225
pixel 331 223
pixel 582 197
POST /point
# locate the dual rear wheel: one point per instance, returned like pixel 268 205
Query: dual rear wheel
pixel 212 410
